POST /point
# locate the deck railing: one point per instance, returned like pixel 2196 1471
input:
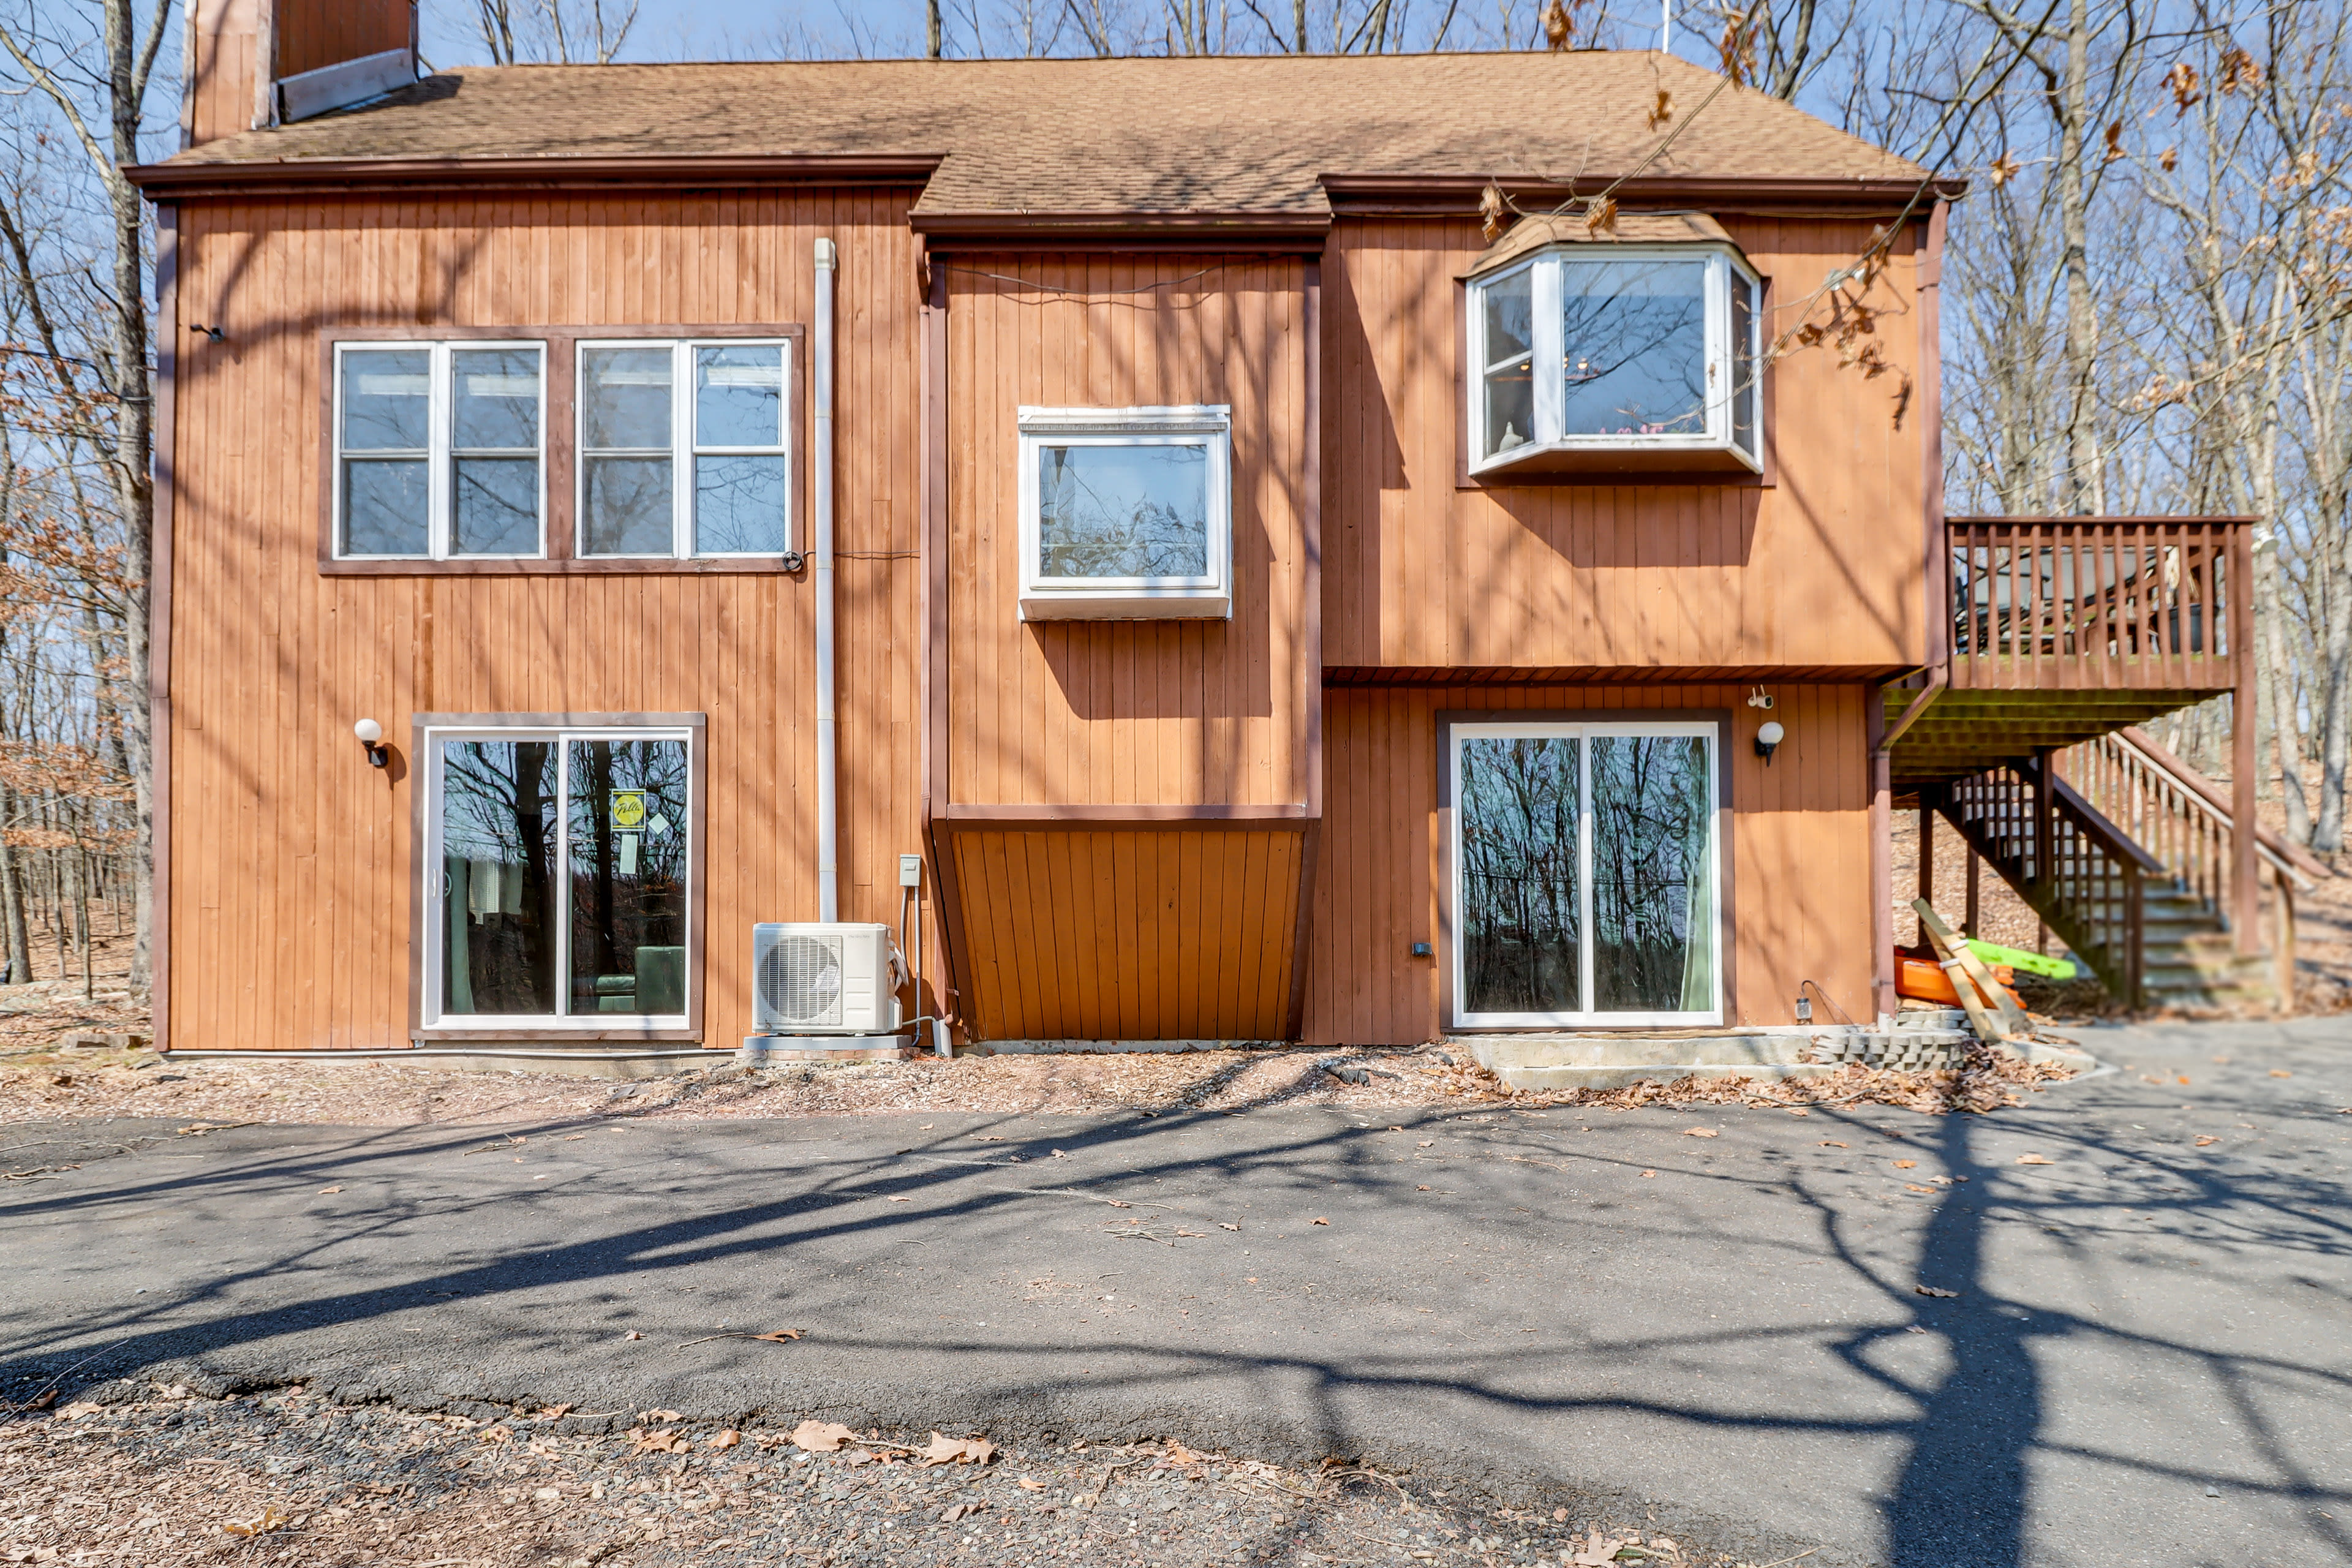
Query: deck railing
pixel 2074 604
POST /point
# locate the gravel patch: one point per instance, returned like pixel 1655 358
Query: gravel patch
pixel 288 1477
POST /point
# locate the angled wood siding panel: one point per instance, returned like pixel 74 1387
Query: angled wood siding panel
pixel 289 912
pixel 1798 861
pixel 315 32
pixel 1822 567
pixel 1124 935
pixel 1157 712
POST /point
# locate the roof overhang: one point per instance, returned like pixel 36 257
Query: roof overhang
pixel 176 180
pixel 1103 230
pixel 1450 195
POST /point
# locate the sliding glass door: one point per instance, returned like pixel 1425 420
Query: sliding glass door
pixel 1586 878
pixel 557 868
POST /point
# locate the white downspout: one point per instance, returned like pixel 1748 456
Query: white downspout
pixel 828 881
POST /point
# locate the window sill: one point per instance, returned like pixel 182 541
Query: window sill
pixel 601 566
pixel 1654 465
pixel 1125 607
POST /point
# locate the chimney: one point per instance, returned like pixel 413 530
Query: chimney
pixel 253 63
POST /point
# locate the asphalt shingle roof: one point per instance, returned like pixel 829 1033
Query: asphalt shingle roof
pixel 1232 134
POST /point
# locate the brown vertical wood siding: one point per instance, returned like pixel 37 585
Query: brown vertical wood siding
pixel 288 903
pixel 1125 711
pixel 1091 932
pixel 1797 865
pixel 1164 934
pixel 1820 568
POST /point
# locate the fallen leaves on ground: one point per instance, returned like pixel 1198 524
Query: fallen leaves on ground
pixel 821 1437
pixel 1699 1132
pixel 665 1441
pixel 262 1523
pixel 2281 1072
pixel 2035 1160
pixel 2205 1140
pixel 1931 1291
pixel 1319 1220
pixel 726 1439
pixel 1906 1164
pixel 956 1451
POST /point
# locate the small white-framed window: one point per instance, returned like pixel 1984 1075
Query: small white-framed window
pixel 440 450
pixel 558 867
pixel 685 447
pixel 1624 357
pixel 1126 513
pixel 1587 876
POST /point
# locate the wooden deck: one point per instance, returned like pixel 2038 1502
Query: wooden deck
pixel 2062 629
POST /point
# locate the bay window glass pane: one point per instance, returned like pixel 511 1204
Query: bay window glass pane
pixel 627 509
pixel 494 402
pixel 388 400
pixel 739 505
pixel 625 398
pixel 387 507
pixel 1634 343
pixel 739 396
pixel 497 511
pixel 1519 916
pixel 1115 511
pixel 1510 406
pixel 1510 308
pixel 1653 925
pixel 627 850
pixel 498 888
pixel 1745 365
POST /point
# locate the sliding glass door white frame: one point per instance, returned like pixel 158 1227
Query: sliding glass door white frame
pixel 429 934
pixel 1457 735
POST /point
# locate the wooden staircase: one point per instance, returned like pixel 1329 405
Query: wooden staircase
pixel 2065 632
pixel 2148 914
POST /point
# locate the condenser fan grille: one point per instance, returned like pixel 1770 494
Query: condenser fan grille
pixel 800 980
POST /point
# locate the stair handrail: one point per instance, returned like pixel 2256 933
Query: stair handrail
pixel 2284 855
pixel 2095 823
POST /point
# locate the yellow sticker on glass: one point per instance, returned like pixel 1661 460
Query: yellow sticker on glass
pixel 628 809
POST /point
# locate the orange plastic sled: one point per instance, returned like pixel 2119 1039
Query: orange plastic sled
pixel 1926 980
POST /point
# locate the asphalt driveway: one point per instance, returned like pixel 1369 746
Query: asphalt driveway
pixel 2145 1358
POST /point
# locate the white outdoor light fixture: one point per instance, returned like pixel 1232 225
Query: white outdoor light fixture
pixel 370 734
pixel 1768 737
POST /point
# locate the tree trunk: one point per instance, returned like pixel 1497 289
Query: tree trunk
pixel 2277 691
pixel 12 901
pixel 2085 487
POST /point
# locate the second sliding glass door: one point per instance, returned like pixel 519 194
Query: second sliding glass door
pixel 1586 876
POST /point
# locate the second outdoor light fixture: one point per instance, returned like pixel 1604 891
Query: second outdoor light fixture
pixel 1768 737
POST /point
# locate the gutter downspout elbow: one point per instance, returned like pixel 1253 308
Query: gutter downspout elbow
pixel 828 881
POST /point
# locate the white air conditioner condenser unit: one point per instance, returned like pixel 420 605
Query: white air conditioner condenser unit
pixel 824 977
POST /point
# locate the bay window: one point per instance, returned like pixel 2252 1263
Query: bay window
pixel 1595 357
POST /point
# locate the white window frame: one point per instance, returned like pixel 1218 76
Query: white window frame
pixel 1206 597
pixel 1583 731
pixel 682 449
pixel 441 453
pixel 433 913
pixel 1724 268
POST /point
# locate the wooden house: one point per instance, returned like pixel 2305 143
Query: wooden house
pixel 1343 550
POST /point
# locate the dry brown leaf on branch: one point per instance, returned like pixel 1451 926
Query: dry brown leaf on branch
pixel 956 1451
pixel 1491 208
pixel 821 1437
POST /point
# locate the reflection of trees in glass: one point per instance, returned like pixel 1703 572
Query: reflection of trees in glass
pixel 497 838
pixel 1123 512
pixel 1519 824
pixel 1635 345
pixel 1651 819
pixel 628 884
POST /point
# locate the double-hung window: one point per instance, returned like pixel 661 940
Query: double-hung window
pixel 1587 874
pixel 1126 513
pixel 557 873
pixel 685 449
pixel 439 450
pixel 1593 357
